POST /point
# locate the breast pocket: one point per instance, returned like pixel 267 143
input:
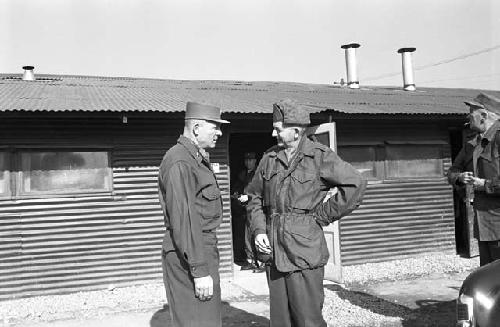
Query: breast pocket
pixel 304 190
pixel 210 203
pixel 270 179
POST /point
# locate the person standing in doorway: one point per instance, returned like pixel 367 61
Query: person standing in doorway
pixel 477 166
pixel 192 205
pixel 288 208
pixel 243 240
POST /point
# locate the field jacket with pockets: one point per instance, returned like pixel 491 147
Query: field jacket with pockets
pixel 287 201
pixel 481 155
pixel 191 201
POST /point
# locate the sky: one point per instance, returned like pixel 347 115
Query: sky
pixel 457 41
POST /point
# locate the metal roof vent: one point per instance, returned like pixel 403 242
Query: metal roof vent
pixel 351 65
pixel 408 82
pixel 28 74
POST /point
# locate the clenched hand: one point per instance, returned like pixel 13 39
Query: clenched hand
pixel 262 243
pixel 204 288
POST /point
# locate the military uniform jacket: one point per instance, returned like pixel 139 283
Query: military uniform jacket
pixel 481 156
pixel 191 202
pixel 287 202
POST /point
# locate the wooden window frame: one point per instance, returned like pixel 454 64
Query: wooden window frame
pixel 438 144
pixel 16 178
pixel 378 168
pixel 8 178
pixel 381 161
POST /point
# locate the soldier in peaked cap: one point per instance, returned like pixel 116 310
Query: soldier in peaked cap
pixel 288 209
pixel 192 206
pixel 477 166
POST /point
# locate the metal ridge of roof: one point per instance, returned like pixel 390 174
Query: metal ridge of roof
pixel 56 93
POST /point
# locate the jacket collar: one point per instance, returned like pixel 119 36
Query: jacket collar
pixel 492 131
pixel 305 148
pixel 191 147
pixel 488 135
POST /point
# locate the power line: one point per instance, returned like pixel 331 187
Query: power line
pixel 446 61
pixel 442 62
pixel 460 78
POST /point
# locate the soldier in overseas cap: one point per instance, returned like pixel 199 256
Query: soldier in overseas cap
pixel 288 206
pixel 477 166
pixel 192 206
pixel 290 113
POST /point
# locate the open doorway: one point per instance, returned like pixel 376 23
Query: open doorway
pixel 239 144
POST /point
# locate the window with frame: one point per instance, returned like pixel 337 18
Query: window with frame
pixel 4 174
pixel 395 161
pixel 361 157
pixel 413 160
pixel 31 173
pixel 49 172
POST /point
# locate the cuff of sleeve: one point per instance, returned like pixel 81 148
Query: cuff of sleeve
pixel 199 270
pixel 259 231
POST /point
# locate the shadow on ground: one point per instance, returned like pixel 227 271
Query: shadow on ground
pixel 429 313
pixel 231 317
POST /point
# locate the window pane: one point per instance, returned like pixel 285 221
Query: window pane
pixel 414 161
pixel 57 172
pixel 4 178
pixel 323 138
pixel 360 157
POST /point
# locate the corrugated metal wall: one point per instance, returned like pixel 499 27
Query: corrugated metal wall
pixel 399 219
pixel 67 244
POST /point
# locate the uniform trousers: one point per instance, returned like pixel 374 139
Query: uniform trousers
pixel 296 298
pixel 489 251
pixel 185 309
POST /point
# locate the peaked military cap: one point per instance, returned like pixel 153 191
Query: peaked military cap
pixel 196 110
pixel 290 112
pixel 485 101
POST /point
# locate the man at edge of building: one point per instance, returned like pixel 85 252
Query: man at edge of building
pixel 192 205
pixel 477 166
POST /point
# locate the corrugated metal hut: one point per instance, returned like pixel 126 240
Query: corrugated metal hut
pixel 79 158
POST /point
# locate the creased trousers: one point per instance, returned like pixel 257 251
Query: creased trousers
pixel 185 309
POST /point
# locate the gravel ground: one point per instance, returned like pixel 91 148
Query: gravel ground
pixel 344 307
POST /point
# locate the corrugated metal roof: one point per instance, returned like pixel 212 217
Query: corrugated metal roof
pixel 87 93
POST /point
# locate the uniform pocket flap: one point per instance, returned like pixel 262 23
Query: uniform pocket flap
pixel 303 177
pixel 268 175
pixel 211 193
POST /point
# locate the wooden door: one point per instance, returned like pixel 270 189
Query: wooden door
pixel 325 134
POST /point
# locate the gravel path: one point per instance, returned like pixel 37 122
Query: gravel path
pixel 344 306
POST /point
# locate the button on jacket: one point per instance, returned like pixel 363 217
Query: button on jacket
pixel 191 202
pixel 287 202
pixel 481 155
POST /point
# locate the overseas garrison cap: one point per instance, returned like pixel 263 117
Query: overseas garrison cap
pixel 196 110
pixel 485 101
pixel 290 112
